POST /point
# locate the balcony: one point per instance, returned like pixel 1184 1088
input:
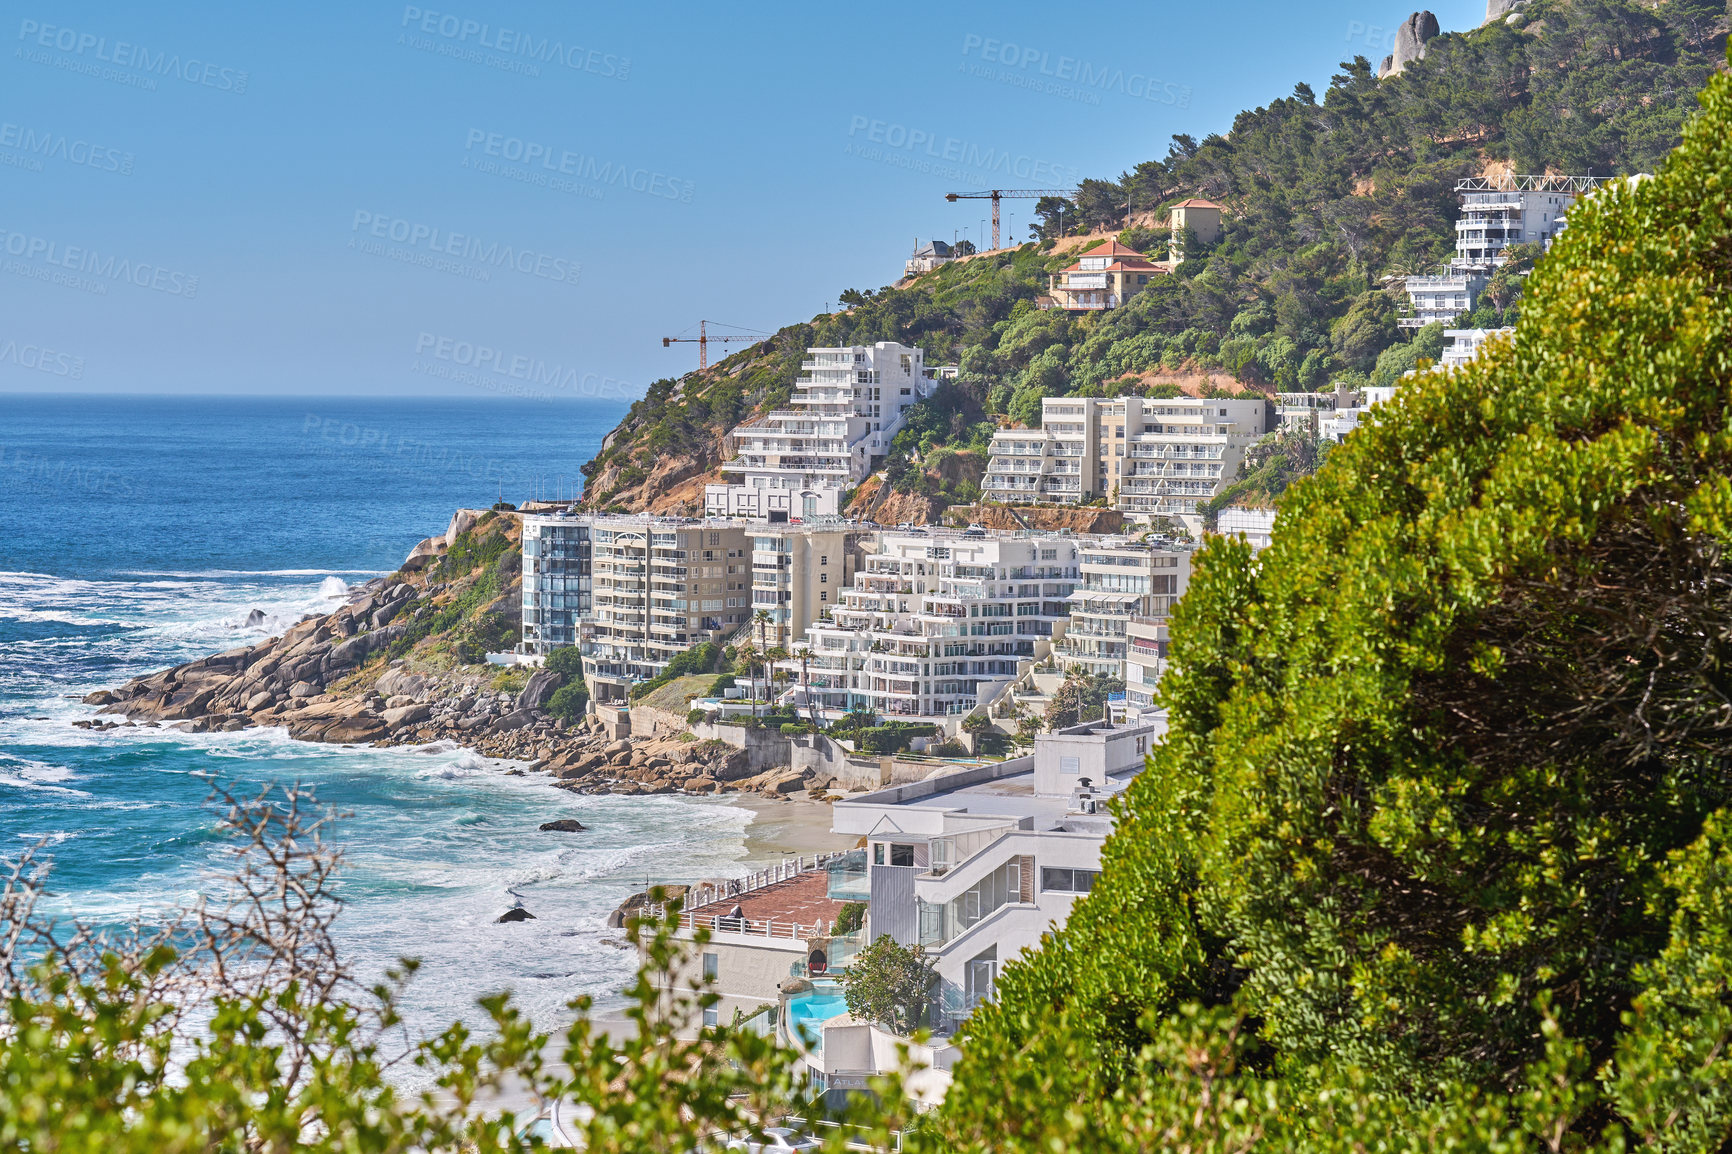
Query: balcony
pixel 848 878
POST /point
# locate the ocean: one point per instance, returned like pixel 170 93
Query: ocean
pixel 141 532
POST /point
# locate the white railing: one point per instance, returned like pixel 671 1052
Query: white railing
pixel 709 892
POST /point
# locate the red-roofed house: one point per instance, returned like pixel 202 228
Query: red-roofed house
pixel 1102 278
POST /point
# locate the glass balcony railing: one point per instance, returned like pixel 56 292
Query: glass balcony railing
pixel 847 881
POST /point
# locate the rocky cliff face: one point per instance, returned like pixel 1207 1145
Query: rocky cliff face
pixel 387 669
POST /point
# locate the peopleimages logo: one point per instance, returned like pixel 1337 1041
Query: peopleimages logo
pixel 955 157
pixel 41 359
pixel 90 263
pixel 121 54
pixel 435 242
pixel 562 162
pixel 485 364
pixel 1071 71
pixel 460 30
pixel 31 142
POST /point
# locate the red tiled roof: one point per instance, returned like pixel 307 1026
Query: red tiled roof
pixel 1141 264
pixel 1196 203
pixel 803 898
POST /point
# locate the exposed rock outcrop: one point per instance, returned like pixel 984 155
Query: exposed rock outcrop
pixel 1410 40
pixel 563 825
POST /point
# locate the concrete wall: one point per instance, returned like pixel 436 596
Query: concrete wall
pixel 616 723
pixel 749 973
pixel 765 748
pixel 1098 752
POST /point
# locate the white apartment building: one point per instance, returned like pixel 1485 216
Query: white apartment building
pixel 659 587
pixel 1496 212
pixel 1122 581
pixel 1464 344
pixel 1147 456
pixel 796 463
pixel 936 622
pixel 1440 298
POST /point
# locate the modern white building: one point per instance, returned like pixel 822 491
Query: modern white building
pixel 1496 212
pixel 1440 298
pixel 976 865
pixel 1122 581
pixel 936 623
pixel 797 463
pixel 1256 526
pixel 1464 344
pixel 1148 457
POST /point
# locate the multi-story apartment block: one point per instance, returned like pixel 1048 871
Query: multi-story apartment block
pixel 556 581
pixel 1496 212
pixel 796 463
pixel 1147 456
pixel 659 586
pixel 1440 298
pixel 799 572
pixel 1145 662
pixel 935 622
pixel 1122 581
pixel 1102 278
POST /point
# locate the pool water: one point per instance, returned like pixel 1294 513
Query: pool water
pixel 807 1012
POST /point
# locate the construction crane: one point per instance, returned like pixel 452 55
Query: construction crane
pixel 703 339
pixel 996 194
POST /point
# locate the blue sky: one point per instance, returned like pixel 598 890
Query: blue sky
pixel 465 198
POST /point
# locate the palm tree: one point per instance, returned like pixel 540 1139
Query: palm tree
pixel 748 653
pixel 762 618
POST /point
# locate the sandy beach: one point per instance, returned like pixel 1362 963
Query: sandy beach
pixel 781 829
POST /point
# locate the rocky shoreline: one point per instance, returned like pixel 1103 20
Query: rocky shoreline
pixel 328 678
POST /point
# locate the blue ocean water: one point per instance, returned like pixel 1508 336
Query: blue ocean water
pixel 140 532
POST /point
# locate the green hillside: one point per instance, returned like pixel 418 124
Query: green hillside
pixel 1328 199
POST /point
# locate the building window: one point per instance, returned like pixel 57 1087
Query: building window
pixel 1069 765
pixel 824 560
pixel 901 855
pixel 712 1017
pixel 1067 881
pixel 823 595
pixel 878 853
pixel 712 964
pixel 823 578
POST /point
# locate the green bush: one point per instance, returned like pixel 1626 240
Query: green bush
pixel 851 917
pixel 567 661
pixel 569 702
pixel 1434 852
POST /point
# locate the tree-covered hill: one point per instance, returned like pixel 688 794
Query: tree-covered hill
pixel 1328 199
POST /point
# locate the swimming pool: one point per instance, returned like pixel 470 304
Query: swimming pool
pixel 806 1012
